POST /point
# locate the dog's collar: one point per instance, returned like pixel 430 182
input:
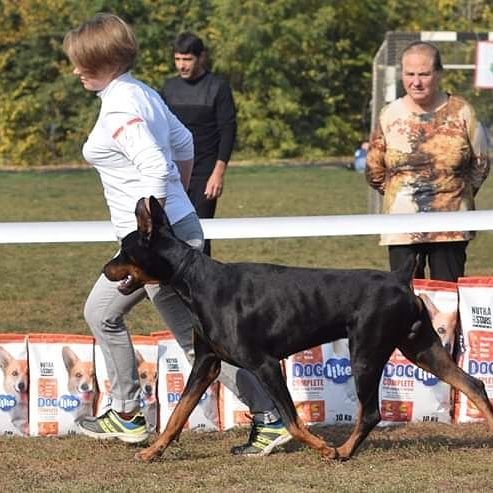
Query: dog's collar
pixel 185 262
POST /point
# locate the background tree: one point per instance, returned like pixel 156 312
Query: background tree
pixel 300 69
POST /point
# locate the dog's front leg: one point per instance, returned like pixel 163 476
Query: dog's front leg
pixel 270 375
pixel 205 370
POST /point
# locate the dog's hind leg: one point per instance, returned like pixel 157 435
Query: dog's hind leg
pixel 426 351
pixel 205 370
pixel 269 374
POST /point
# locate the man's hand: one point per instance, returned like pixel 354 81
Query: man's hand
pixel 185 169
pixel 215 183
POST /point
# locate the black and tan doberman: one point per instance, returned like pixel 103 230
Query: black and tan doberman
pixel 252 315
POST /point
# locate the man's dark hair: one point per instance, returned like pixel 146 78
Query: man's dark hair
pixel 187 43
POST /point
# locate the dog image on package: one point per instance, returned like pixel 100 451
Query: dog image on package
pixel 475 308
pixel 62 382
pixel 321 384
pixel 408 393
pixel 14 385
pixel 174 370
pixel 146 357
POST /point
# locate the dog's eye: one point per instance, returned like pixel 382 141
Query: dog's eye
pixel 143 375
pixel 78 375
pixel 15 373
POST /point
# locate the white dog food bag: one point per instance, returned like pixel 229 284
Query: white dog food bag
pixel 321 384
pixel 14 385
pixel 62 382
pixel 173 371
pixel 475 308
pixel 146 353
pixel 103 403
pixel 232 411
pixel 408 393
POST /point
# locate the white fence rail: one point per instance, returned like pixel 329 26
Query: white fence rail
pixel 261 227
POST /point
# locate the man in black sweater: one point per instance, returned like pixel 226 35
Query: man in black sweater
pixel 204 104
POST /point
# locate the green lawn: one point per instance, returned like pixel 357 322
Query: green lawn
pixel 43 289
pixel 44 286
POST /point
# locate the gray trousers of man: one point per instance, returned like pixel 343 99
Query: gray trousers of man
pixel 105 310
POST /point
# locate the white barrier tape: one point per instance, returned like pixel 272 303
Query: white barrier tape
pixel 263 227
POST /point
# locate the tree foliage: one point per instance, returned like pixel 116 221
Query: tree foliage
pixel 300 69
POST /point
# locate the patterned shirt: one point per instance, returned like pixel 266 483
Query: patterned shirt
pixel 423 162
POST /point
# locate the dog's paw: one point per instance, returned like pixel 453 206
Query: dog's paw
pixel 329 454
pixel 147 454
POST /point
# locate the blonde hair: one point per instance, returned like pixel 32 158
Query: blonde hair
pixel 103 44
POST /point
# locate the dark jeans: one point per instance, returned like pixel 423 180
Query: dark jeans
pixel 205 208
pixel 446 260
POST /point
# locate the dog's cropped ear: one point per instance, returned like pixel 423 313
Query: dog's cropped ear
pixel 158 216
pixel 144 223
pixel 69 357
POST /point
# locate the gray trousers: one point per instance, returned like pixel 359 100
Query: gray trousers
pixel 105 310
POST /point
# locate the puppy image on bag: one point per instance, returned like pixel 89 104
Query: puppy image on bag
pixel 444 322
pixel 14 400
pixel 147 371
pixel 81 381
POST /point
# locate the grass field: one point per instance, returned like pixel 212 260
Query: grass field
pixel 44 288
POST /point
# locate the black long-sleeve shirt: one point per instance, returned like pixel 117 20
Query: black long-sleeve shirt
pixel 206 107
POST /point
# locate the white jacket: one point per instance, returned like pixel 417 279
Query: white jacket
pixel 133 146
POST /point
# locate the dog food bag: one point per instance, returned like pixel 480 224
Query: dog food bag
pixel 475 308
pixel 408 393
pixel 62 382
pixel 321 384
pixel 146 353
pixel 14 385
pixel 232 411
pixel 103 383
pixel 173 372
pixel 442 302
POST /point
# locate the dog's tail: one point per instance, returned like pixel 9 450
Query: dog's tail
pixel 422 318
pixel 406 274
